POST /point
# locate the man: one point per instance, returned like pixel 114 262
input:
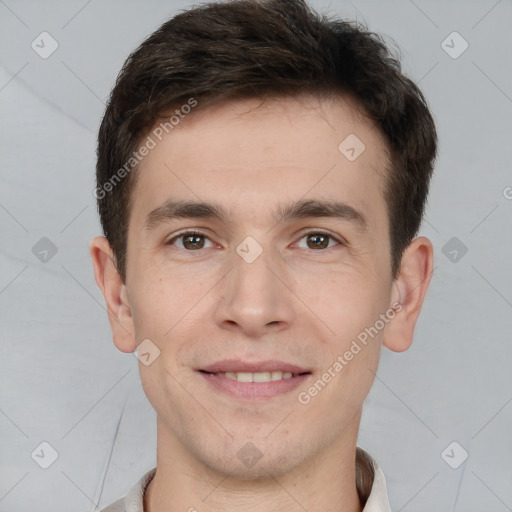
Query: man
pixel 262 173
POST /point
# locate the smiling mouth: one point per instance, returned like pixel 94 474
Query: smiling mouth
pixel 254 386
pixel 257 376
pixel 254 380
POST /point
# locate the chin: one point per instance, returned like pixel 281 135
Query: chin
pixel 253 460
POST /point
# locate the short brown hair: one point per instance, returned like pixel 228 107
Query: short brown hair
pixel 251 48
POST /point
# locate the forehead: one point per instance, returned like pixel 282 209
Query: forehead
pixel 249 154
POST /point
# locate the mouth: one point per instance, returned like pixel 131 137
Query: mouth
pixel 250 381
pixel 256 376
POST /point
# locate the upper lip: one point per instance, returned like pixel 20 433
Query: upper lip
pixel 238 365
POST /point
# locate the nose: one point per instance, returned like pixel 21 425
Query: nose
pixel 255 298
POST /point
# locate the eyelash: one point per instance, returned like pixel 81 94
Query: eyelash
pixel 312 232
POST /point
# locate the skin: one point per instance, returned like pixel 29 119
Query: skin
pixel 296 302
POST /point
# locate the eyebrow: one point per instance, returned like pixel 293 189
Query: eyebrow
pixel 306 208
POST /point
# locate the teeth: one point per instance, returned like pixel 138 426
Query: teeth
pixel 244 377
pixel 261 377
pixel 256 377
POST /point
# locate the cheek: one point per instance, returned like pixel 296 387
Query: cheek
pixel 346 302
pixel 354 313
pixel 357 376
pixel 160 299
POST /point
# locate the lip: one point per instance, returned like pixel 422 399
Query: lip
pixel 238 365
pixel 253 390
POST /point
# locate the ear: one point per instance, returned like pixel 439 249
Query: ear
pixel 116 297
pixel 410 288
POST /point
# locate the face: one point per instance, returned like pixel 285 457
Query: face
pixel 252 298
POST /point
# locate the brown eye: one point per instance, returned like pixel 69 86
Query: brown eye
pixel 190 241
pixel 318 240
pixel 193 241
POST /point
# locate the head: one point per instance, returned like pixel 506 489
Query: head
pixel 248 108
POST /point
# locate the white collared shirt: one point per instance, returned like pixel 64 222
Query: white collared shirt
pixel 377 500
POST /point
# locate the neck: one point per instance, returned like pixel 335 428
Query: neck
pixel 182 483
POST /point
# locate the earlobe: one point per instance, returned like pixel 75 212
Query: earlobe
pixel 116 297
pixel 410 288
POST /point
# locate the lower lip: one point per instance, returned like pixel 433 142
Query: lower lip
pixel 254 390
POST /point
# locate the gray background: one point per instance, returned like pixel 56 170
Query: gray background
pixel 62 380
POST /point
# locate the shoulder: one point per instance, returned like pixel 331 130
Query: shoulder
pixel 117 506
pixel 134 499
pixel 372 483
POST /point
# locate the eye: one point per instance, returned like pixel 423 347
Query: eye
pixel 192 240
pixel 195 240
pixel 319 240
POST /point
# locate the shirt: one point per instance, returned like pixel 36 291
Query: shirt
pixel 371 487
